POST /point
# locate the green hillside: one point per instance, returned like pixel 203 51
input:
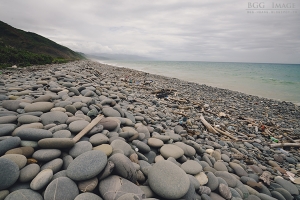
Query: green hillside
pixel 21 48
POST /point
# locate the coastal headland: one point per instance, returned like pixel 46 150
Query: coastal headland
pixel 86 130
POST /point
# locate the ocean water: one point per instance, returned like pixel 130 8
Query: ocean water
pixel 274 81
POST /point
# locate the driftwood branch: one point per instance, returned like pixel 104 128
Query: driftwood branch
pixel 207 125
pixel 180 113
pixel 226 133
pixel 87 128
pixel 288 137
pixel 285 145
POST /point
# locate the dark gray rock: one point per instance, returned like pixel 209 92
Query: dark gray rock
pixel 12 105
pixel 87 165
pixel 88 196
pixel 39 106
pixel 61 188
pixel 143 147
pixel 9 173
pixel 29 172
pixel 77 126
pixel 168 180
pixel 110 112
pixel 24 194
pixel 283 192
pixel 80 148
pixel 6 129
pixel 8 144
pixel 114 187
pixel 33 134
pixel 213 181
pixel 290 187
pixel 8 119
pixel 55 117
pixel 124 167
pixel 230 180
pixel 46 155
pixel 55 165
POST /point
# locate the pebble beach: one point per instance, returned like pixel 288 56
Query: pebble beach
pixel 157 137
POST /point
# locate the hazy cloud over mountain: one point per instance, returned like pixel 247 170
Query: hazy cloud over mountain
pixel 166 30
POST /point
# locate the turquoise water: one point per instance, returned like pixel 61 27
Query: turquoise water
pixel 274 81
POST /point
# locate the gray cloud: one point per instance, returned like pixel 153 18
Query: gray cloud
pixel 167 30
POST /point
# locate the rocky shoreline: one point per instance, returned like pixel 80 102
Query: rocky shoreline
pixel 159 138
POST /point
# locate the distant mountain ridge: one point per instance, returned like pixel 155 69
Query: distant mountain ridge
pixel 21 48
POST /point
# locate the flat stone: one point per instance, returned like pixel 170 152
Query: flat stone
pixel 24 194
pixel 28 119
pixel 168 180
pixel 154 142
pixel 215 196
pixel 265 197
pixel 284 193
pixel 110 112
pixel 70 108
pixel 230 180
pixel 54 117
pixel 33 134
pixel 238 169
pixel 55 165
pixel 187 149
pixel 25 151
pixel 220 166
pixel 108 124
pixel 216 155
pixel 80 148
pixel 88 185
pixel 142 147
pixel 9 173
pixel 42 179
pixel 43 98
pixel 39 106
pixel 88 196
pixel 114 187
pixel 143 129
pixel 87 165
pixel 8 144
pixel 290 187
pixel 62 134
pixel 77 126
pixel 61 188
pixel 191 167
pixel 29 172
pixel 20 160
pixel 171 150
pixel 213 181
pixel 8 119
pixel 56 143
pixel 12 105
pixel 106 148
pixel 124 167
pixel 7 129
pixel 201 178
pixel 98 139
pixel 121 145
pixel 45 155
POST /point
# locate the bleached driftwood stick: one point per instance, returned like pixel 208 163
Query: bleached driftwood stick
pixel 226 133
pixel 87 128
pixel 207 125
pixel 285 145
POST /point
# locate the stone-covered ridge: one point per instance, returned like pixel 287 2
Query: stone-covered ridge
pixel 152 142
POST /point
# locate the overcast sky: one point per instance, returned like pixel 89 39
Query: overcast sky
pixel 200 30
